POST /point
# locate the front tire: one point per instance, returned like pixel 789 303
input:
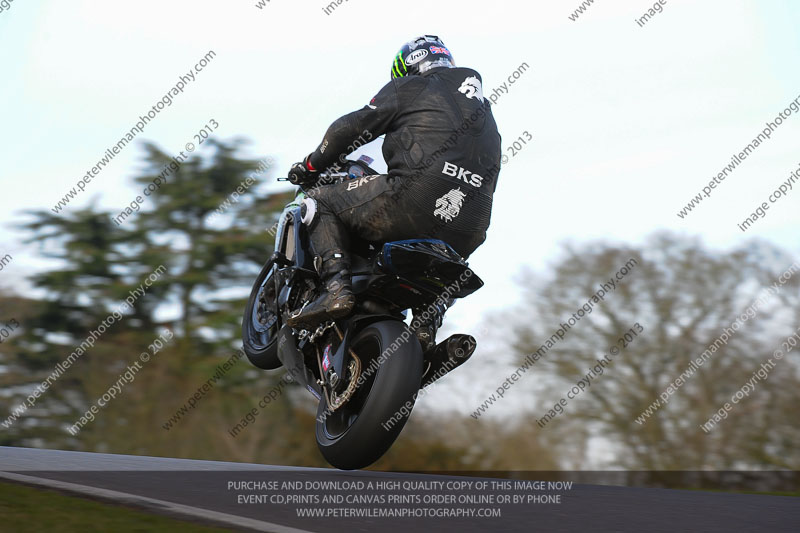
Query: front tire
pixel 261 321
pixel 363 429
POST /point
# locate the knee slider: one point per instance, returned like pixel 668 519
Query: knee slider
pixel 308 212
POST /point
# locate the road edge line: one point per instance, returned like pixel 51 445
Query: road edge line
pixel 151 504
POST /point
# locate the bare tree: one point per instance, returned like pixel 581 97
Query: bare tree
pixel 685 299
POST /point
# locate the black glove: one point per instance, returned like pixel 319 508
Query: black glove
pixel 300 174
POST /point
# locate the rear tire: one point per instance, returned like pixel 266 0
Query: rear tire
pixel 356 435
pixel 261 321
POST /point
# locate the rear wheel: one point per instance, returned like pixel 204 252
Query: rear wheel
pixel 261 321
pixel 362 430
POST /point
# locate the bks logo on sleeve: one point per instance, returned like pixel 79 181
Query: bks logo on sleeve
pixel 355 183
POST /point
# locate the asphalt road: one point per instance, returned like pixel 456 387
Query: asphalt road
pixel 272 498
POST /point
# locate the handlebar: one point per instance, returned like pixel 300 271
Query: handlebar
pixel 326 177
pixel 333 175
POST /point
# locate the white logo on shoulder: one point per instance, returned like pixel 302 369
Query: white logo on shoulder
pixel 472 88
pixel 449 205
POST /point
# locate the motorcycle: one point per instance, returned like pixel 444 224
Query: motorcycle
pixel 367 368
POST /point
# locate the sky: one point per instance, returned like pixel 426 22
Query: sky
pixel 629 123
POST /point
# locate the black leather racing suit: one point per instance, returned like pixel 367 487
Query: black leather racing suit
pixel 442 149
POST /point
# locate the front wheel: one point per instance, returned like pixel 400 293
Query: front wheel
pixel 362 430
pixel 261 321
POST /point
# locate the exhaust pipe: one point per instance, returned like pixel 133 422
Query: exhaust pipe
pixel 448 355
pixel 459 346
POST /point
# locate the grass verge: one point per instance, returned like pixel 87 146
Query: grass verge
pixel 31 510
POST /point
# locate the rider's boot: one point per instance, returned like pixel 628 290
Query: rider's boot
pixel 337 300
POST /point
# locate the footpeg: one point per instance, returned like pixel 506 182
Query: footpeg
pixel 448 355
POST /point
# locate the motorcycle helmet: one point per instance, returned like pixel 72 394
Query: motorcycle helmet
pixel 421 55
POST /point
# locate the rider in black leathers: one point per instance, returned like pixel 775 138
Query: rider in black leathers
pixel 442 149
